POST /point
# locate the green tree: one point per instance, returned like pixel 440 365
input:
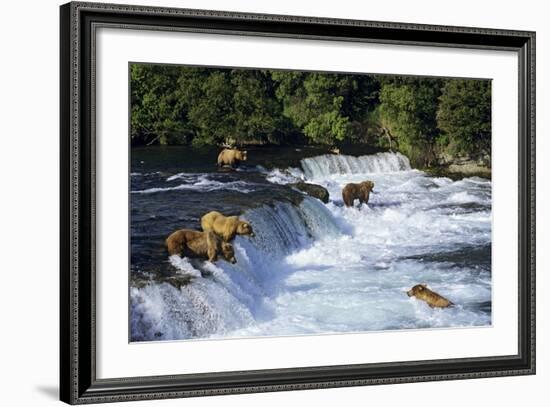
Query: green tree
pixel 464 116
pixel 230 106
pixel 208 101
pixel 408 109
pixel 257 115
pixel 326 107
pixel 156 110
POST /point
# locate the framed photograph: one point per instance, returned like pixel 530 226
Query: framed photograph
pixel 254 203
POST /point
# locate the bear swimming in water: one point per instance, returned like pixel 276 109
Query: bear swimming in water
pixel 422 292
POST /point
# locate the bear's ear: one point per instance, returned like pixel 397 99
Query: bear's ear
pixel 424 285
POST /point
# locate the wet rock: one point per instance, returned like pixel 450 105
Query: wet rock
pixel 314 190
pixel 466 165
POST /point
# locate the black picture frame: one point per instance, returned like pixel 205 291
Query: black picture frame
pixel 78 382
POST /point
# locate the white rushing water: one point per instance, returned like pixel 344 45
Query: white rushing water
pixel 200 182
pixel 322 166
pixel 320 268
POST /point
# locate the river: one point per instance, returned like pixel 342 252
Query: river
pixel 312 268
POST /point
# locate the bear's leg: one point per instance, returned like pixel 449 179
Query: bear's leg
pixel 175 249
pixel 227 236
pixel 347 201
pixel 212 254
pixel 211 247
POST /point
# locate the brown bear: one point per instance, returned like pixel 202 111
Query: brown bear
pixel 192 243
pixel 360 191
pixel 231 157
pixel 225 227
pixel 421 292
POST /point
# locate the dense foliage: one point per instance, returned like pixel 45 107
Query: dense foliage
pixel 464 115
pixel 408 108
pixel 422 117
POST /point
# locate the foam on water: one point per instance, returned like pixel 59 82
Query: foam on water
pixel 184 267
pixel 286 176
pixel 202 183
pixel 316 268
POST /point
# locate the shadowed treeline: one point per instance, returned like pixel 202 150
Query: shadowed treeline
pixel 425 118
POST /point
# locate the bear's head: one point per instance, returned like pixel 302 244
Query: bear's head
pixel 368 185
pixel 244 228
pixel 241 155
pixel 228 252
pixel 417 289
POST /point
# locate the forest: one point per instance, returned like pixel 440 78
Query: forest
pixel 422 117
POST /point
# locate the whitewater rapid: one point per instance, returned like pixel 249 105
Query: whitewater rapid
pixel 316 268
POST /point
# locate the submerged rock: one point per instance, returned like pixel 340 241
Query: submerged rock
pixel 314 190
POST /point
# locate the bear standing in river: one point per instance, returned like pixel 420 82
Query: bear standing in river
pixel 231 157
pixel 225 226
pixel 191 243
pixel 421 292
pixel 360 191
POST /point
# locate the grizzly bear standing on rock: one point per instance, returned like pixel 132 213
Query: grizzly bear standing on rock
pixel 360 191
pixel 225 227
pixel 191 243
pixel 231 157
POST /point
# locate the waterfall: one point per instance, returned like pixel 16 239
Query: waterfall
pixel 324 165
pixel 229 296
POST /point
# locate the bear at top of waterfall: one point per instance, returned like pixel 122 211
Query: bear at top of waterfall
pixel 360 191
pixel 225 227
pixel 192 243
pixel 422 292
pixel 231 157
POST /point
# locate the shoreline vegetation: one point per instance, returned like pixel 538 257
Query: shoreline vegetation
pixel 442 125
